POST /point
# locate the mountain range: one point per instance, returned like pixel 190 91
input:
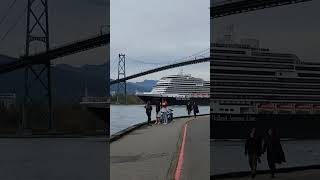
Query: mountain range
pixel 144 86
pixel 69 83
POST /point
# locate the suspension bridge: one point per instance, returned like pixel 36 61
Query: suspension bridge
pixel 38 65
pixel 40 21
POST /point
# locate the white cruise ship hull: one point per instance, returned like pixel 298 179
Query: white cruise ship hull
pixel 174 100
pixel 252 87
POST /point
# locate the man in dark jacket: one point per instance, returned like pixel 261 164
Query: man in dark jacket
pixel 189 108
pixel 274 150
pixel 148 108
pixel 253 147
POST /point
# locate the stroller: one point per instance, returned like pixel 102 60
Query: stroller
pixel 168 113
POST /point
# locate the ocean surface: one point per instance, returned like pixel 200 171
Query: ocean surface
pixel 123 116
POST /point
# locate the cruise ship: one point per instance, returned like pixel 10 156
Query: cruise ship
pixel 257 87
pixel 179 90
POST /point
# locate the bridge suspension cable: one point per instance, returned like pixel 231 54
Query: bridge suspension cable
pixel 197 54
pixel 14 24
pixel 113 67
pixel 144 62
pixel 201 56
pixel 6 13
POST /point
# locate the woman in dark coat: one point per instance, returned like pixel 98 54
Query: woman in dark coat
pixel 253 148
pixel 275 154
pixel 195 109
pixel 158 108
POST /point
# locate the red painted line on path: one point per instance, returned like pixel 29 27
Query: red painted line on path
pixel 181 154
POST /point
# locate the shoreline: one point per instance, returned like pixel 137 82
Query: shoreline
pixel 120 134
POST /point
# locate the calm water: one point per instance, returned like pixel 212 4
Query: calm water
pixel 123 116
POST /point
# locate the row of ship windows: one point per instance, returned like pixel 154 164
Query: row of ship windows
pixel 253 59
pixel 257 65
pixel 272 54
pixel 262 79
pixel 264 97
pixel 244 72
pixel 253 53
pixel 226 109
pixel 182 84
pixel 227 71
pixel 242 46
pixel 185 91
pixel 183 87
pixel 251 65
pixel 261 91
pixel 182 79
pixel 269 85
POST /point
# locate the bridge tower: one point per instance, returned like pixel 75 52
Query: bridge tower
pixel 38 95
pixel 122 86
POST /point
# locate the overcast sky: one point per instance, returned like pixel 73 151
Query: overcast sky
pixel 159 31
pixel 69 21
pixel 293 28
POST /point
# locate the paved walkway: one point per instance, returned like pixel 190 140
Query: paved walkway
pixel 53 158
pixel 197 150
pixel 147 153
pixel 307 175
pixel 228 156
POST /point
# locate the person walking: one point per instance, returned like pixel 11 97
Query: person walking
pixel 195 109
pixel 274 150
pixel 148 108
pixel 164 111
pixel 158 108
pixel 253 149
pixel 189 108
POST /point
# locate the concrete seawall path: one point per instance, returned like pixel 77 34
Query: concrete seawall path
pixel 53 158
pixel 312 174
pixel 151 152
pixel 197 151
pixel 228 156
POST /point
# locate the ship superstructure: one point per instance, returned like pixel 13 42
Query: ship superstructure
pixel 178 89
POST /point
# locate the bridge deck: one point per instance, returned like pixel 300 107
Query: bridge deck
pixel 240 6
pixel 174 65
pixel 56 52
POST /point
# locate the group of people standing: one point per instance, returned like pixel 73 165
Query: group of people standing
pixel 255 146
pixel 161 107
pixel 192 107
